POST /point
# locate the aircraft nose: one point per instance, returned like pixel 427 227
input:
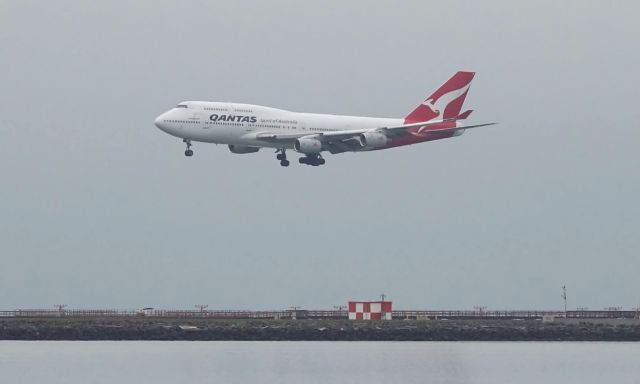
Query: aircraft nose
pixel 159 122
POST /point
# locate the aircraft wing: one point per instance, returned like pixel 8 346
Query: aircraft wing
pixel 342 141
pixel 337 135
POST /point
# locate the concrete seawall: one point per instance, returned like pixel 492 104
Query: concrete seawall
pixel 214 329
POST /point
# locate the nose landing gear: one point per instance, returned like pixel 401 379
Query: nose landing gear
pixel 188 152
pixel 282 156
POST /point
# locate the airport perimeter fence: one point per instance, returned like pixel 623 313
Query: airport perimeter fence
pixel 312 314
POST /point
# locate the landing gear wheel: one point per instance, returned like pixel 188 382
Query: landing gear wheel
pixel 313 160
pixel 282 156
pixel 188 152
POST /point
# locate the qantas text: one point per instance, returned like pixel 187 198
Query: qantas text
pixel 235 118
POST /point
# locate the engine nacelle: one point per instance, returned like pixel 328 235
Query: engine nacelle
pixel 243 149
pixel 308 145
pixel 373 139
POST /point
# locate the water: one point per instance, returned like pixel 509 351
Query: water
pixel 76 362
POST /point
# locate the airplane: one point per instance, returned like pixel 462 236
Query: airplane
pixel 247 128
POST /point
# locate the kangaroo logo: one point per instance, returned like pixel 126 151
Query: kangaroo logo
pixel 438 104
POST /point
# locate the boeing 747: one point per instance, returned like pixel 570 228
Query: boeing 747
pixel 247 128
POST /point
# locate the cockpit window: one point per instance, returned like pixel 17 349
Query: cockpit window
pixel 181 106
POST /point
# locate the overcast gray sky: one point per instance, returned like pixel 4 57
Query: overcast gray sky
pixel 98 208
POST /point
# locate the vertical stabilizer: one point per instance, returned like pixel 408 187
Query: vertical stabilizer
pixel 446 102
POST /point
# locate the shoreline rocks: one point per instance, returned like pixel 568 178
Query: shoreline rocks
pixel 330 330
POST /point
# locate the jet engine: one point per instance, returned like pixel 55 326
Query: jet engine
pixel 243 149
pixel 373 139
pixel 308 145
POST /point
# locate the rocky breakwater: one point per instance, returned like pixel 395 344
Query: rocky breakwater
pixel 401 330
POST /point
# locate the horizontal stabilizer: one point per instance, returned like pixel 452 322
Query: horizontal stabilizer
pixel 461 127
pixel 465 114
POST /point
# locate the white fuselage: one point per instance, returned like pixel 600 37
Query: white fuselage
pixel 239 124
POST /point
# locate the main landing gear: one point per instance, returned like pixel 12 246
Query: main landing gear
pixel 282 156
pixel 312 159
pixel 188 152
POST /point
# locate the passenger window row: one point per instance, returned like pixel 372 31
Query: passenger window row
pixel 182 121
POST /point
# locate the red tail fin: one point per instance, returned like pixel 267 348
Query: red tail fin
pixel 446 102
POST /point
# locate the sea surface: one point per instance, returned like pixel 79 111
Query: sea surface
pixel 76 362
